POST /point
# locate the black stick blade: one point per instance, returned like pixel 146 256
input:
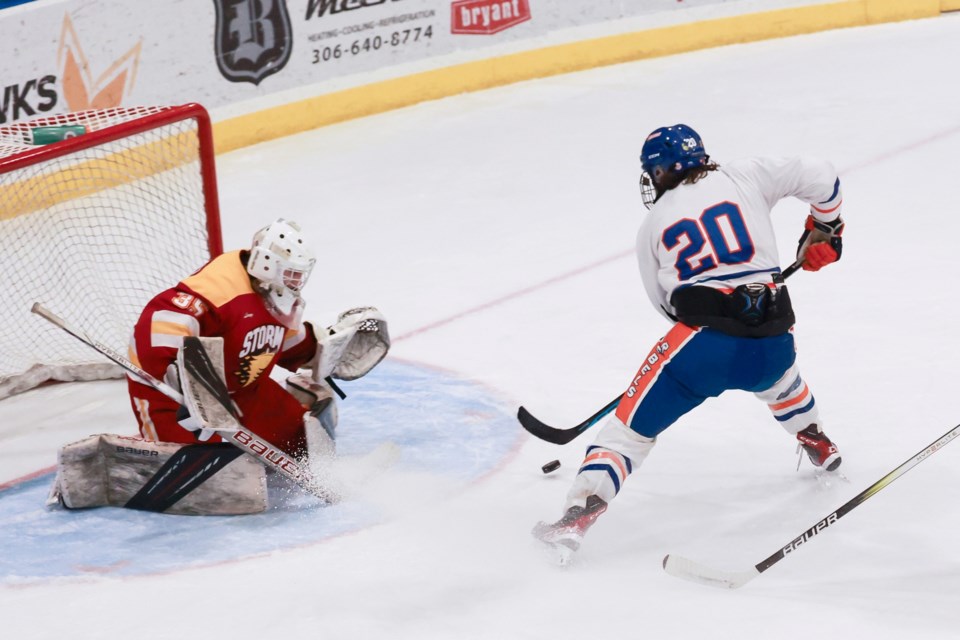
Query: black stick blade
pixel 562 436
pixel 546 432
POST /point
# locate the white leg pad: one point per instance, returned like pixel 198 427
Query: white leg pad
pixel 108 470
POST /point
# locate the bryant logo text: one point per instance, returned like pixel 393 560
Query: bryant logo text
pixel 487 17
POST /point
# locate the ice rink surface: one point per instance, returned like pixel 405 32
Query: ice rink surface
pixel 495 231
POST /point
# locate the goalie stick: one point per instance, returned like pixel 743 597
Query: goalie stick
pixel 557 435
pixel 681 567
pixel 267 454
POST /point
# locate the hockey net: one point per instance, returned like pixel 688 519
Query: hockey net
pixel 95 225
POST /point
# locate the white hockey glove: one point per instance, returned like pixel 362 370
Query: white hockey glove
pixel 353 346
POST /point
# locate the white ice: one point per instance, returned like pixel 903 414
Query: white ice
pixel 495 231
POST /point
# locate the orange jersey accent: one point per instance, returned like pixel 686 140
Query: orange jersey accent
pixel 666 348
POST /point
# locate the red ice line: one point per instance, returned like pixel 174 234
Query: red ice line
pixel 935 137
pixel 515 294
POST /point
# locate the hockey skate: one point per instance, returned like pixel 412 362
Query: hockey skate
pixel 563 537
pixel 821 450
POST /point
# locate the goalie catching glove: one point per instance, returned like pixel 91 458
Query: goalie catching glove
pixel 353 346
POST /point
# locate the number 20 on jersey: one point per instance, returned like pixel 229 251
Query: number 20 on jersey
pixel 718 236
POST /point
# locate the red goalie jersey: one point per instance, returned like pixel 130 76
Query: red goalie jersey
pixel 220 300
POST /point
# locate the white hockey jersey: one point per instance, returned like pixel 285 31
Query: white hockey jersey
pixel 717 232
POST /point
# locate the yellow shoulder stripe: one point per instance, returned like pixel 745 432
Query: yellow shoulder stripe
pixel 224 279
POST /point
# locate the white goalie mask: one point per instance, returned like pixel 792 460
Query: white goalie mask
pixel 280 261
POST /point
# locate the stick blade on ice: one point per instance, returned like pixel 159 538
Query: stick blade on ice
pixel 681 567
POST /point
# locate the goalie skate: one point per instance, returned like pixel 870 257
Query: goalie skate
pixel 562 538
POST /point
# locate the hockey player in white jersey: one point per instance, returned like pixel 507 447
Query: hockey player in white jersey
pixel 709 263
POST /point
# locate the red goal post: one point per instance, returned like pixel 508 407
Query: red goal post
pixel 92 226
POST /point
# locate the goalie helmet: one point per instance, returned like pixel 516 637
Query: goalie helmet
pixel 280 261
pixel 668 149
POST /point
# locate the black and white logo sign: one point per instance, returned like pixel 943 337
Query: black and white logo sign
pixel 253 38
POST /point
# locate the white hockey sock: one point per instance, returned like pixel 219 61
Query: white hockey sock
pixel 608 461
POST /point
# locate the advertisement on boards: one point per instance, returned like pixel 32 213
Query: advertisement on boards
pixel 87 54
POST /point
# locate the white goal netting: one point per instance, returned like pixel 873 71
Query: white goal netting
pixel 94 226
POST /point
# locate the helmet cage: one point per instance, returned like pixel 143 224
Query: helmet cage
pixel 648 190
pixel 294 278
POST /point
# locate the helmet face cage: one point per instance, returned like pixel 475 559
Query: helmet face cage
pixel 648 192
pixel 294 278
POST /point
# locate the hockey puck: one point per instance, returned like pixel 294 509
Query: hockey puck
pixel 551 466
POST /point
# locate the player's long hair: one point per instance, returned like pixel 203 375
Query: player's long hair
pixel 671 179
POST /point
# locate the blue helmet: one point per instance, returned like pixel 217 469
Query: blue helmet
pixel 673 149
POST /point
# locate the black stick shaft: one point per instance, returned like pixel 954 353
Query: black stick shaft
pixel 857 500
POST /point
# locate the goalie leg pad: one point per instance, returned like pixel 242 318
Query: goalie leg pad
pixel 112 470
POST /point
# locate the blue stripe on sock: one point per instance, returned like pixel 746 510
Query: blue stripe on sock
pixel 608 469
pixel 796 412
pixel 626 460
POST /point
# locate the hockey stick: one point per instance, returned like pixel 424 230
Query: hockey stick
pixel 681 567
pixel 563 436
pixel 250 443
pixel 201 369
pixel 107 351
